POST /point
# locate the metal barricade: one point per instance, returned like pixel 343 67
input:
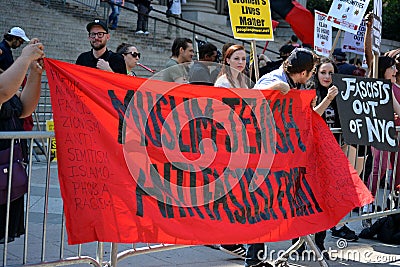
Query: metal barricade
pixel 44 242
pixel 380 180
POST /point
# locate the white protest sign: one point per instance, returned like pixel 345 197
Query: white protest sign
pixel 364 62
pixel 354 43
pixel 377 26
pixel 347 14
pixel 322 34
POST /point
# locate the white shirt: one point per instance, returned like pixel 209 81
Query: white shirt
pixel 222 81
pixel 176 7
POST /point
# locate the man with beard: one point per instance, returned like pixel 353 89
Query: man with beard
pixel 100 57
pixel 13 39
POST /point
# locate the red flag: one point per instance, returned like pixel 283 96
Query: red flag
pixel 300 19
pixel 150 161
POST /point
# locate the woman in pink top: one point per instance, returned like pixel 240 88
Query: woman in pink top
pixel 386 70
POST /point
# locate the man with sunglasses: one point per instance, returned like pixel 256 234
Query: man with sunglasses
pixel 13 39
pixel 100 57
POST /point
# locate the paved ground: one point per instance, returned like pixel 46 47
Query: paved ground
pixel 361 253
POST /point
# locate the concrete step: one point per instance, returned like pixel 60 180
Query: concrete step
pixel 61 28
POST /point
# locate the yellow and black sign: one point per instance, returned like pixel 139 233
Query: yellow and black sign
pixel 251 19
pixel 50 128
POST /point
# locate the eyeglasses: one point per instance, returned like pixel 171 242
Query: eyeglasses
pixel 134 54
pixel 99 34
pixel 393 67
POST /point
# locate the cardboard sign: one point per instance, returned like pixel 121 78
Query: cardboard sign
pixel 347 15
pixel 354 43
pixel 251 19
pixel 53 151
pixel 322 34
pixel 366 111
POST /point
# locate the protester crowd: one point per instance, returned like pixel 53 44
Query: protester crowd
pixel 297 68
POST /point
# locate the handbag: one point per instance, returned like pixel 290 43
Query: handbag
pixel 19 184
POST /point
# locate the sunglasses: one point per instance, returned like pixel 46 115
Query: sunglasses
pixel 134 54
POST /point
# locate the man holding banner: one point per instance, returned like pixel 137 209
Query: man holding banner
pixel 295 71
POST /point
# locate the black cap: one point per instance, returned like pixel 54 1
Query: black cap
pixel 285 50
pixel 339 54
pixel 97 22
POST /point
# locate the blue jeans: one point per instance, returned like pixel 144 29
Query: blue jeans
pixel 113 18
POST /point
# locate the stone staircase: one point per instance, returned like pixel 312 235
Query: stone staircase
pixel 61 26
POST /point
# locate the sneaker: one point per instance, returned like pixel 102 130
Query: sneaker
pixel 260 264
pixel 146 33
pixel 139 32
pixel 237 250
pixel 344 233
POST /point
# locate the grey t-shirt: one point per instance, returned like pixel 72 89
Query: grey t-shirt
pixel 174 71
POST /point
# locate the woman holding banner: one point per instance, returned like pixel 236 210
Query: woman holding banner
pixel 231 76
pixel 386 70
pixel 14 106
pixel 326 106
pixel 233 65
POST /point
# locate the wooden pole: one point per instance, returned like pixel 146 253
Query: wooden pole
pixel 335 42
pixel 255 59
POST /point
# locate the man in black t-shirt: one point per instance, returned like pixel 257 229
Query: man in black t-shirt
pixel 100 57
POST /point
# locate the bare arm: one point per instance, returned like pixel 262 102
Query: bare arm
pixel 368 40
pixel 277 85
pixel 332 92
pixel 11 79
pixel 31 93
pixel 396 105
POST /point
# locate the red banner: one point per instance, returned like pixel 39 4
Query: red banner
pixel 149 161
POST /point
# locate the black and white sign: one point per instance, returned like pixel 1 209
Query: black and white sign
pixel 377 27
pixel 366 111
